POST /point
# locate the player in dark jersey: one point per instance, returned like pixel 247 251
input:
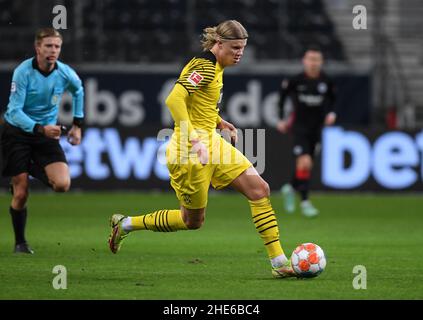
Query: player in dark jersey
pixel 312 96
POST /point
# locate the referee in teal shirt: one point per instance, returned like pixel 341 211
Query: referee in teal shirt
pixel 30 137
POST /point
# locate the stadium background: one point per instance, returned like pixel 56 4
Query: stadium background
pixel 129 53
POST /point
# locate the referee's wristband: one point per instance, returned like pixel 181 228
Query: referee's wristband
pixel 78 122
pixel 38 130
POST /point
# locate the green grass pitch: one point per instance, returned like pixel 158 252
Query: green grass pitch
pixel 225 259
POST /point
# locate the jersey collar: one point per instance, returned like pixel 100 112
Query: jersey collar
pixel 36 67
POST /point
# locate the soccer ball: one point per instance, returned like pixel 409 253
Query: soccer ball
pixel 308 260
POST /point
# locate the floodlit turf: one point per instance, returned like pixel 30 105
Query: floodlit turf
pixel 223 260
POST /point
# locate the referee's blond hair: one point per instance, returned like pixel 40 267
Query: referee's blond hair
pixel 45 33
pixel 227 30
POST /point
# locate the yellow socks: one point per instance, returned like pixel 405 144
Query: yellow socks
pixel 267 226
pixel 161 221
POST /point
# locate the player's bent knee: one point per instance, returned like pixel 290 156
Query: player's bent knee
pixel 194 222
pixel 61 186
pixel 260 192
pixel 304 162
pixel 193 218
pixel 194 225
pixel 20 196
pixel 264 190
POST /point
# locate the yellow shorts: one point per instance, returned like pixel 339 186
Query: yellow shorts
pixel 191 180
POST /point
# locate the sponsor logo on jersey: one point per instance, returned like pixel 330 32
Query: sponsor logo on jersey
pixel 13 87
pixel 311 100
pixel 298 150
pixel 54 99
pixel 195 78
pixel 322 87
pixel 186 198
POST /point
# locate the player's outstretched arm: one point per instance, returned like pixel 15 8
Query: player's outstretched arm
pixel 76 88
pixel 176 102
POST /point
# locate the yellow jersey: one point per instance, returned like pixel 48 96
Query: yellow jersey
pixel 194 105
pixel 202 77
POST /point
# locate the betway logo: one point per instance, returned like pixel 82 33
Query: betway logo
pixel 103 155
pixel 310 99
pixel 394 160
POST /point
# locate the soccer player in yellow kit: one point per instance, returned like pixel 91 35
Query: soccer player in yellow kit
pixel 197 155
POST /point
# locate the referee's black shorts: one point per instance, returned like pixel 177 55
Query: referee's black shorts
pixel 305 141
pixel 20 148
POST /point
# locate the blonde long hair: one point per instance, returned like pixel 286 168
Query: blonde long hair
pixel 227 30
